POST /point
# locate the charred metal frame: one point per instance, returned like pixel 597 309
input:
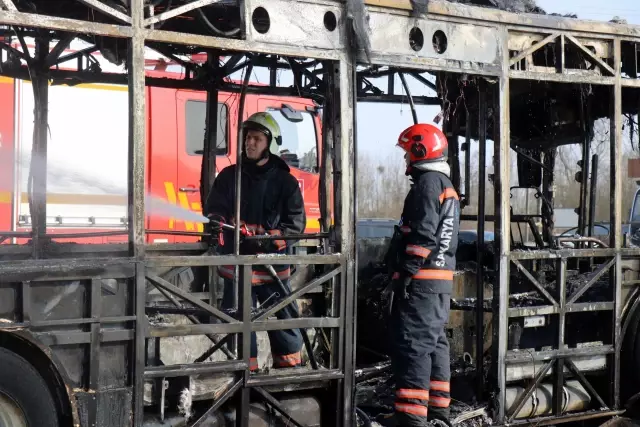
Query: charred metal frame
pixel 496 58
pixel 138 267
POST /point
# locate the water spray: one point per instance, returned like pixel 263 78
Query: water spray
pixel 154 205
pixel 157 206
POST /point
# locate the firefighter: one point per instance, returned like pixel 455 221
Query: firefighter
pixel 271 202
pixel 422 259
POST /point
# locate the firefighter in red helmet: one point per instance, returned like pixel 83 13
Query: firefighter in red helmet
pixel 422 261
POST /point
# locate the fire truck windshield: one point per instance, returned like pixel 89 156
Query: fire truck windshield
pixel 299 141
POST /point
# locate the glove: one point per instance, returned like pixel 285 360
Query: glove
pixel 250 246
pixel 215 233
pixel 400 283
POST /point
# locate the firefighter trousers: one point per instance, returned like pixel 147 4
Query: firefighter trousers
pixel 420 355
pixel 285 344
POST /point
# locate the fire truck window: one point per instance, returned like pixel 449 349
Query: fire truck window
pixel 195 116
pixel 299 142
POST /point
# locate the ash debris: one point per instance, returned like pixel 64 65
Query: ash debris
pixel 375 396
pixel 599 291
pixel 518 6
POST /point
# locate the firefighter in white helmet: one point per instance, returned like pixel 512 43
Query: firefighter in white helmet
pixel 271 202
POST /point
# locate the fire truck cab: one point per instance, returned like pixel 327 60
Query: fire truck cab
pixel 86 192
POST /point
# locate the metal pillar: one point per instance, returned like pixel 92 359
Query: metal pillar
pixel 548 195
pixel 345 219
pixel 331 118
pixel 593 185
pixel 616 214
pixel 558 374
pixel 469 119
pixel 328 136
pixel 209 276
pixel 482 141
pixel 451 126
pixel 237 202
pixel 503 222
pixel 244 344
pixel 210 147
pixel 136 196
pixel 38 169
pixel 137 131
pixel 586 148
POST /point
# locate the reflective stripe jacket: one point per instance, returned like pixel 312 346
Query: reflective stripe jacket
pixel 271 202
pixel 428 239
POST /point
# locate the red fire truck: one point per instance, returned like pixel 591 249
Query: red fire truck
pixel 86 166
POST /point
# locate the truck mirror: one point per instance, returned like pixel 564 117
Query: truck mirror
pixel 291 114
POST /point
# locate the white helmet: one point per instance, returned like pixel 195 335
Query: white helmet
pixel 265 123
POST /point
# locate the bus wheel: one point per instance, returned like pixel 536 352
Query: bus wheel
pixel 25 400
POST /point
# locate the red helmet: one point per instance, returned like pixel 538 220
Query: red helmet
pixel 424 143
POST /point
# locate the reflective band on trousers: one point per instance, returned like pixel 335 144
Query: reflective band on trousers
pixel 439 402
pixel 407 393
pixel 412 409
pixel 287 360
pixel 434 275
pixel 440 386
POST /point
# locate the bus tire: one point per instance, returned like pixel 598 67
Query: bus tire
pixel 25 399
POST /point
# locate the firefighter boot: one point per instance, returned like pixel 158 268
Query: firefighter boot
pixel 387 420
pixel 391 420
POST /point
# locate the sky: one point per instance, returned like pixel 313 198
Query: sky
pixel 595 9
pixel 379 125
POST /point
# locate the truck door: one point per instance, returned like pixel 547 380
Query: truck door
pixel 191 127
pixel 162 162
pixel 6 154
pixel 299 149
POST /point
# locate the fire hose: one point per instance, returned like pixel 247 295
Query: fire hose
pixel 290 308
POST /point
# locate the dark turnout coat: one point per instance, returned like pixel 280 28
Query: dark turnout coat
pixel 271 202
pixel 426 247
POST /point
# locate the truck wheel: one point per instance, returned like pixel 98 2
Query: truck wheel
pixel 25 400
